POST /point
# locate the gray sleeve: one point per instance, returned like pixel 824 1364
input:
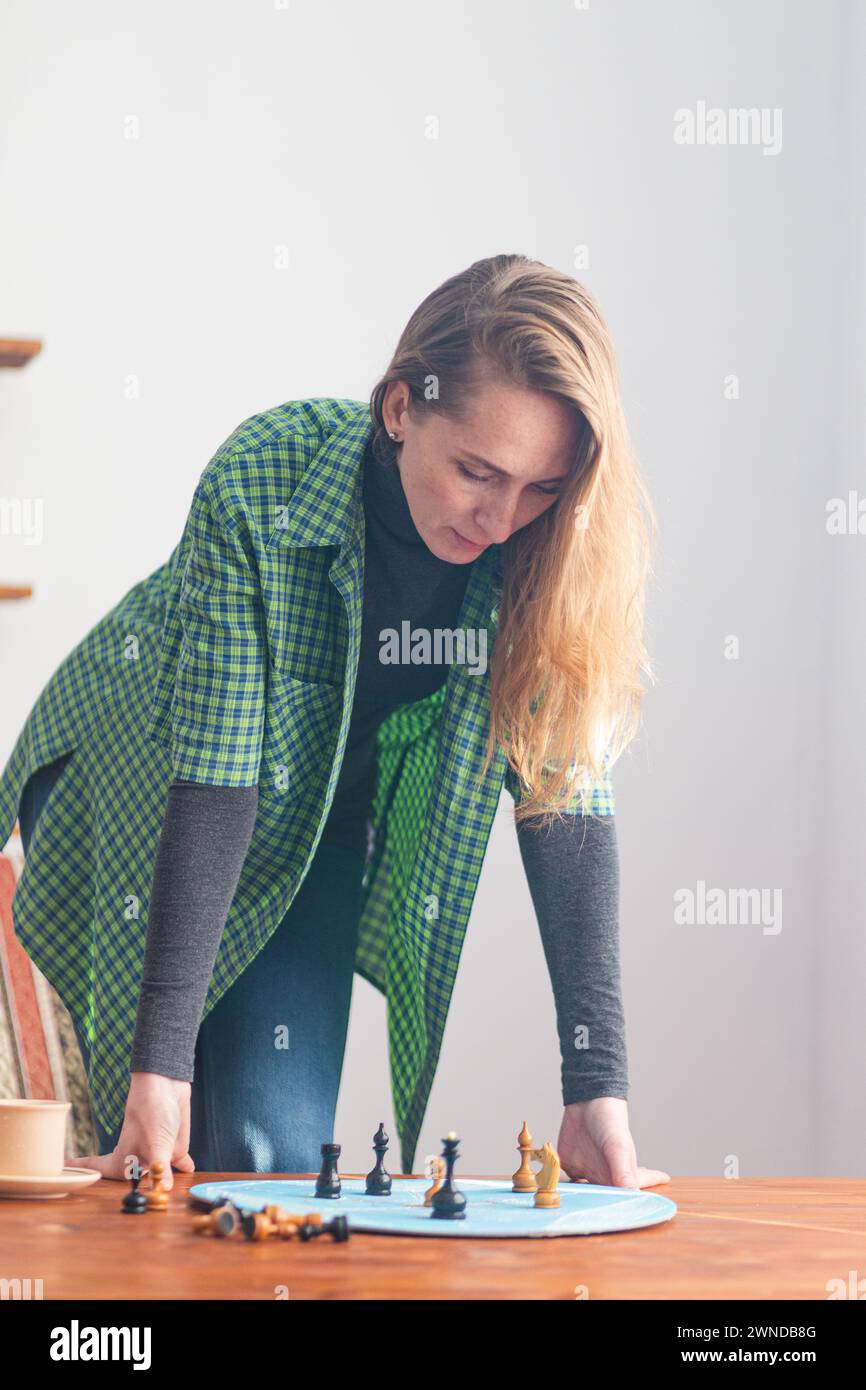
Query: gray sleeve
pixel 572 869
pixel 205 835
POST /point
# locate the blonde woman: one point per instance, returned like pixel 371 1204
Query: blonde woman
pixel 277 760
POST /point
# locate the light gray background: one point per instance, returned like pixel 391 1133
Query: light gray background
pixel 306 126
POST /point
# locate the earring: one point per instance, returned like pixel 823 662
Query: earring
pixel 392 434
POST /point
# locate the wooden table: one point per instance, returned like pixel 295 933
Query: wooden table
pixel 755 1238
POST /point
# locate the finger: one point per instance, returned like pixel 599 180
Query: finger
pixel 161 1153
pixel 623 1171
pixel 181 1144
pixel 651 1177
pixel 624 1176
pixel 97 1161
pixel 181 1141
pixel 109 1165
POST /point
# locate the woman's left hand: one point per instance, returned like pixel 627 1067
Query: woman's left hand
pixel 595 1143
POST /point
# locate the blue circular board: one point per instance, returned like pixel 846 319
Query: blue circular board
pixel 492 1209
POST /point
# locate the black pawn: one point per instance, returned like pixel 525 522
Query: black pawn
pixel 226 1220
pixel 449 1203
pixel 378 1180
pixel 338 1230
pixel 134 1201
pixel 328 1182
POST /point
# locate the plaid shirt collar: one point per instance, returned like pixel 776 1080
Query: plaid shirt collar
pixel 326 507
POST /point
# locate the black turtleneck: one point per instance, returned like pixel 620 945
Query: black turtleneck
pixel 403 581
pixel 572 868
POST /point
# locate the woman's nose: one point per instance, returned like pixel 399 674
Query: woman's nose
pixel 497 522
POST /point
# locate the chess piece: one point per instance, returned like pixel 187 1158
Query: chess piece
pixel 524 1179
pixel 311 1218
pixel 290 1227
pixel 548 1177
pixel 337 1229
pixel 220 1221
pixel 378 1180
pixel 449 1203
pixel 328 1182
pixel 272 1220
pixel 157 1197
pixel 135 1201
pixel 258 1225
pixel 434 1168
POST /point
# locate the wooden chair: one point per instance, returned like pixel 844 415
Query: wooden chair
pixel 39 1053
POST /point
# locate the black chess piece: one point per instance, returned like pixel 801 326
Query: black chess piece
pixel 449 1203
pixel 337 1229
pixel 378 1180
pixel 328 1182
pixel 229 1215
pixel 226 1219
pixel 134 1201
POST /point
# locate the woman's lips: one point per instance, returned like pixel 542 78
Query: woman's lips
pixel 474 544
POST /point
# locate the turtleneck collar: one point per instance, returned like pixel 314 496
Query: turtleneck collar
pixel 384 495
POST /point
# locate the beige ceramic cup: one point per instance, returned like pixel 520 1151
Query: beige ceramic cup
pixel 33 1137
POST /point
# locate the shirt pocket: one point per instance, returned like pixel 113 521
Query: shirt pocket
pixel 302 724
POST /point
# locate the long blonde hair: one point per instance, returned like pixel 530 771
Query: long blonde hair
pixel 565 687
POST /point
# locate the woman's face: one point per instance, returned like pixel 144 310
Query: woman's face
pixel 472 485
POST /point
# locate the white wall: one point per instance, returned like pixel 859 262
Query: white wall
pixel 304 126
pixel 836 1024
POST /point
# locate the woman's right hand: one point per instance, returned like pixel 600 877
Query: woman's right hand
pixel 155 1126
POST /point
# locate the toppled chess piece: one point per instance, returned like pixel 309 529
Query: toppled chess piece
pixel 524 1179
pixel 548 1176
pixel 378 1180
pixel 337 1229
pixel 274 1221
pixel 219 1221
pixel 328 1182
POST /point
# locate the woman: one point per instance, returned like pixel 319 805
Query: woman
pixel 276 761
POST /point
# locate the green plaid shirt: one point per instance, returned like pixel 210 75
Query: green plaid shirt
pixel 234 664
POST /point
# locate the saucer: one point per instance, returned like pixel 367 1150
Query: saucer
pixel 70 1180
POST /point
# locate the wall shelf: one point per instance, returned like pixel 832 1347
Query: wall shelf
pixel 17 352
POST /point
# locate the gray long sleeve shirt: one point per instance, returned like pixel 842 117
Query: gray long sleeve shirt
pixel 571 867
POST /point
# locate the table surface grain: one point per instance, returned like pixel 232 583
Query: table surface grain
pixel 749 1238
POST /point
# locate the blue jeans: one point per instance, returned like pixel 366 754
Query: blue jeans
pixel 257 1107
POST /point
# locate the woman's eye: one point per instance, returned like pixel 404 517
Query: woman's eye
pixel 486 478
pixel 467 473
